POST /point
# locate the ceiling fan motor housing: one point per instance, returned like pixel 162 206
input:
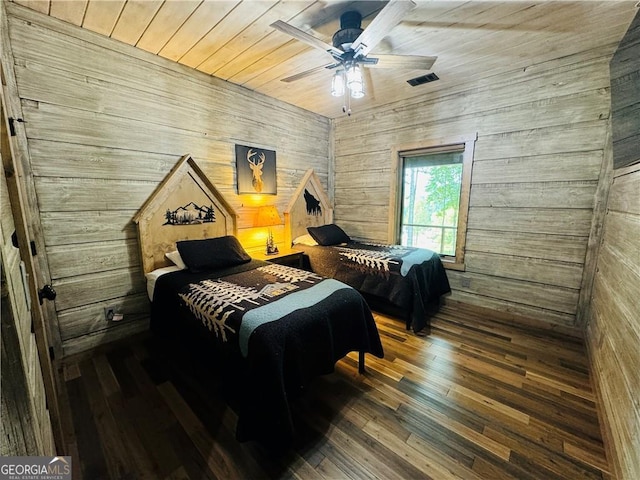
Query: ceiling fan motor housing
pixel 350 29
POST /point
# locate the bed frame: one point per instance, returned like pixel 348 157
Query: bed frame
pixel 309 207
pixel 163 220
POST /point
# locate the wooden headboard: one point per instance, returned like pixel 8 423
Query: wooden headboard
pixel 309 207
pixel 185 206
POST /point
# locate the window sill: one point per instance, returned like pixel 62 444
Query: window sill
pixel 452 265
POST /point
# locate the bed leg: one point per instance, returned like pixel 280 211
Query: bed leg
pixel 361 362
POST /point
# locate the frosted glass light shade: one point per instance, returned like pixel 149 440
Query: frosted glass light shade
pixel 337 84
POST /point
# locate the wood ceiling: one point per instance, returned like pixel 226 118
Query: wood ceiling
pixel 233 40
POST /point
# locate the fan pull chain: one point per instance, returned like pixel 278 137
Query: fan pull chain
pixel 347 108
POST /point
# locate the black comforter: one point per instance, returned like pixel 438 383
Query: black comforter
pixel 272 327
pixel 412 279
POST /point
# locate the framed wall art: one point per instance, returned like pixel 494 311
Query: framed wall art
pixel 255 170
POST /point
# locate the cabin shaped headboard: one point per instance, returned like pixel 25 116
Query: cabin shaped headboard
pixel 185 206
pixel 309 207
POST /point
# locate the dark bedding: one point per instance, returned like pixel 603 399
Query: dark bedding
pixel 270 327
pixel 412 279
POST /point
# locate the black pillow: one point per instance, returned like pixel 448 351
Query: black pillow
pixel 212 253
pixel 328 235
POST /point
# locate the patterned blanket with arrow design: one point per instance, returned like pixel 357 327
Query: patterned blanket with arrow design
pixel 274 327
pixel 412 279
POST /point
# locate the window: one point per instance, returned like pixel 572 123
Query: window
pixel 433 197
pixel 431 200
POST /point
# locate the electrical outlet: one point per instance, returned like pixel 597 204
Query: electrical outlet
pixel 109 313
pixel 466 282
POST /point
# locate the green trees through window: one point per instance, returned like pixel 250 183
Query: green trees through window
pixel 431 200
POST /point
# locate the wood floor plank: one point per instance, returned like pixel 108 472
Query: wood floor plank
pixel 481 397
pixel 328 469
pixel 216 461
pixel 485 469
pixel 371 456
pixel 107 379
pixel 430 410
pixel 438 467
pixel 527 357
pixel 595 459
pixel 478 401
pixel 192 464
pixel 117 457
pixel 179 474
pixel 542 403
pixel 560 465
pixel 562 386
pixel 89 443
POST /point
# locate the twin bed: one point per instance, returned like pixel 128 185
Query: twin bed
pixel 271 327
pixel 410 280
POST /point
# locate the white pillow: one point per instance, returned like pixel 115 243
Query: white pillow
pixel 176 259
pixel 155 274
pixel 305 240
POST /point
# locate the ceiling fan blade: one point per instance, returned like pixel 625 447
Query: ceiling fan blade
pixel 306 73
pixel 381 25
pixel 410 62
pixel 306 38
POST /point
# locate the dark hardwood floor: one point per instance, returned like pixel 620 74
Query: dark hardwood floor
pixel 476 399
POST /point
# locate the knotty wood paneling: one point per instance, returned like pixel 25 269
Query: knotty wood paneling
pixel 537 163
pixel 105 123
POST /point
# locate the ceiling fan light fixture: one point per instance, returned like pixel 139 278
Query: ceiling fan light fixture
pixel 337 84
pixel 351 46
pixel 354 75
pixel 357 90
pixel 355 81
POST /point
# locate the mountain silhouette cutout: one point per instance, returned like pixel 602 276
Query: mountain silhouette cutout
pixel 190 214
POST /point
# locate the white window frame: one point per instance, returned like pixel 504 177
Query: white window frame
pixel 397 174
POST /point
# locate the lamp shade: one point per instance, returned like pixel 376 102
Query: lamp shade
pixel 267 216
pixel 337 84
pixel 355 81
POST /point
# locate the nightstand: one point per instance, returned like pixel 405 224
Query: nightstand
pixel 291 258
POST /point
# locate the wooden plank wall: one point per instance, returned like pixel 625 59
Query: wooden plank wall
pixel 613 329
pixel 26 425
pixel 613 332
pixel 625 97
pixel 538 158
pixel 105 123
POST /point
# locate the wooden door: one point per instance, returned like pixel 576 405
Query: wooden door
pixel 35 354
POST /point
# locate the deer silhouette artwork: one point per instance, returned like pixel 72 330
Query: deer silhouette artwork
pixel 256 162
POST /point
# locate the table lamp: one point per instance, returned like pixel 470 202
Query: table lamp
pixel 267 216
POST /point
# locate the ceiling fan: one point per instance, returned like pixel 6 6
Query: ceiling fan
pixel 351 46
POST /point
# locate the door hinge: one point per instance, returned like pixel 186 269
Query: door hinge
pixel 12 127
pixel 32 243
